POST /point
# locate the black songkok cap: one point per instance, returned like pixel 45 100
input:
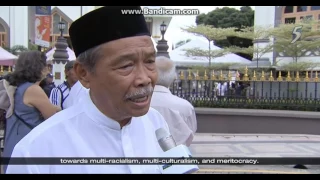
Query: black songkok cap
pixel 106 24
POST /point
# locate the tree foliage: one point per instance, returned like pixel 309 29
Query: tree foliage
pixel 15 50
pixel 227 17
pixel 283 39
pixel 197 52
pixel 182 42
pixel 299 66
pixel 209 32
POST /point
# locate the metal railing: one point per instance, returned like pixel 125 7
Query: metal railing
pixel 252 91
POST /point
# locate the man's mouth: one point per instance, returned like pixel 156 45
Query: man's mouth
pixel 139 99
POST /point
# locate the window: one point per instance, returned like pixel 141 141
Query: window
pixel 149 22
pixel 2 28
pixel 314 8
pixel 310 17
pixel 290 20
pixel 55 22
pixel 288 9
pixel 301 8
pixel 56 18
pixel 3 36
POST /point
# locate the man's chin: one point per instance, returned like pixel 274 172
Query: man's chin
pixel 139 113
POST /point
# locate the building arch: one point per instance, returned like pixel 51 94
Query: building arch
pixel 59 16
pixel 4 34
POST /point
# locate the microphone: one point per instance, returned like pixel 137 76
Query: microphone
pixel 171 150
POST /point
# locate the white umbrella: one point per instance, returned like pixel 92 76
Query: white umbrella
pixel 6 58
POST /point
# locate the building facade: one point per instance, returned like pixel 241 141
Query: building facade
pixel 275 15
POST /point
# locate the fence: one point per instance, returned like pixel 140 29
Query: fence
pixel 4 69
pixel 254 91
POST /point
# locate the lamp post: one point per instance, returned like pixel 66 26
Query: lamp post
pixel 60 56
pixel 162 47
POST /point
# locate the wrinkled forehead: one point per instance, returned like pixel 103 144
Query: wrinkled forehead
pixel 142 45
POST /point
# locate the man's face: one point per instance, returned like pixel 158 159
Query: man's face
pixel 124 77
pixel 72 75
pixel 49 80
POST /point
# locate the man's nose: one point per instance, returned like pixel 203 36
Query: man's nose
pixel 142 77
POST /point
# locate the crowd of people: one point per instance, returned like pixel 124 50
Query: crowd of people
pixel 116 95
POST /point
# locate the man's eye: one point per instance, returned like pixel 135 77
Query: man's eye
pixel 126 66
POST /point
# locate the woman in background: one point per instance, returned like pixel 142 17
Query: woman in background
pixel 31 104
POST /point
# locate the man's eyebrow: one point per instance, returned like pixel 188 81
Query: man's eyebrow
pixel 150 54
pixel 131 56
pixel 124 57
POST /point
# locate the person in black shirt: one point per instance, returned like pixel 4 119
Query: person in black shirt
pixel 47 84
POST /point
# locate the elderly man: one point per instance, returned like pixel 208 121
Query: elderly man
pixel 178 112
pixel 116 61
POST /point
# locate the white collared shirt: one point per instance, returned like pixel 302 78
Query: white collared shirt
pixel 178 113
pixel 75 95
pixel 83 131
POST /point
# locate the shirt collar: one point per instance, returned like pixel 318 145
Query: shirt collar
pixel 97 116
pixel 161 89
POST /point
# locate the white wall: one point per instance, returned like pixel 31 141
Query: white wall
pixel 19 25
pixel 264 15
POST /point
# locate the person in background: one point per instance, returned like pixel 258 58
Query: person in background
pixel 60 93
pixel 76 94
pixel 47 84
pixel 31 105
pixel 178 113
pixel 116 62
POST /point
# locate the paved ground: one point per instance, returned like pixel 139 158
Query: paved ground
pixel 228 145
pixel 242 145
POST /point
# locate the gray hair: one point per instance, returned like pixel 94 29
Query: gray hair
pixel 166 71
pixel 90 57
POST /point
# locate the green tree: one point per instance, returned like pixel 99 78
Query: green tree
pixel 283 36
pixel 252 34
pixel 227 17
pixel 211 34
pixel 182 42
pixel 15 50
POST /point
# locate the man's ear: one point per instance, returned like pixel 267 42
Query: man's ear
pixel 82 74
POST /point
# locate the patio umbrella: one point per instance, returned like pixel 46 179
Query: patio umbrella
pixel 6 58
